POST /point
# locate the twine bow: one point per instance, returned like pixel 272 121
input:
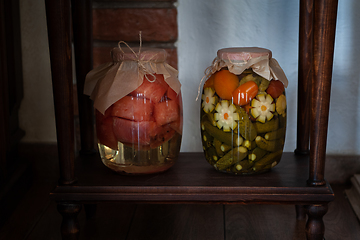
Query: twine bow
pixel 140 62
pixel 111 81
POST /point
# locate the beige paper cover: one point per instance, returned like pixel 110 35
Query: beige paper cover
pixel 110 82
pixel 239 59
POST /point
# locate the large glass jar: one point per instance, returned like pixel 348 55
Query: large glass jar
pixel 243 111
pixel 140 131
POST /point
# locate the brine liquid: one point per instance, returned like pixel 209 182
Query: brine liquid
pixel 134 159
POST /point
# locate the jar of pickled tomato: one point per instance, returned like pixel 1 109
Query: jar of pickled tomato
pixel 243 111
pixel 138 107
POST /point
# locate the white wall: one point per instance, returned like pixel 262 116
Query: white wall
pixel 208 25
pixel 37 108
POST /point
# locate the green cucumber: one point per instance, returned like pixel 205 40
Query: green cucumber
pixel 211 155
pixel 249 144
pixel 242 166
pixel 225 148
pixel 282 121
pixel 217 145
pixel 207 139
pixel 264 83
pixel 271 146
pixel 257 154
pixel 209 117
pixel 235 155
pixel 269 126
pixel 245 127
pixel 250 77
pixel 268 160
pixel 228 138
pixel 277 134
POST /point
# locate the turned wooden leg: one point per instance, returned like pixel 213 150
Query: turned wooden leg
pixel 315 227
pixel 69 227
pixel 300 212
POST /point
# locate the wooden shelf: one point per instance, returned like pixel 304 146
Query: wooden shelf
pixel 296 180
pixel 193 180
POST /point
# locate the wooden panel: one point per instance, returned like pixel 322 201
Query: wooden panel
pixel 83 44
pixel 341 216
pixel 252 222
pixel 58 22
pixel 324 39
pixel 4 102
pixel 304 75
pixel 175 222
pixel 112 221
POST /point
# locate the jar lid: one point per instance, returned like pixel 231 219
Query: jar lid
pixel 243 53
pixel 146 54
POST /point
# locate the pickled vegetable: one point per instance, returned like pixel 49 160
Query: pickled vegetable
pixel 242 134
pixel 244 93
pixel 237 154
pixel 275 88
pixel 226 116
pixel 268 126
pixel 209 100
pixel 257 154
pixel 268 161
pixel 225 137
pixel 269 145
pixel 250 77
pixel 277 134
pixel 281 105
pixel 263 108
pixel 242 166
pixel 245 127
pixel 209 82
pixel 225 83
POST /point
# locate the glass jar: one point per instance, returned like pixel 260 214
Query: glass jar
pixel 140 132
pixel 243 111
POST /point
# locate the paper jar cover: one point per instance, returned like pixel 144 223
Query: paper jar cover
pixel 110 82
pixel 239 59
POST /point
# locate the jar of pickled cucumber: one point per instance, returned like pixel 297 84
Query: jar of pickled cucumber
pixel 138 107
pixel 243 111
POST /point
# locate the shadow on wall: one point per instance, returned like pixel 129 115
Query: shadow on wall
pixel 343 134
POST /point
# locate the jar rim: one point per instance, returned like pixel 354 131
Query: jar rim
pixel 243 53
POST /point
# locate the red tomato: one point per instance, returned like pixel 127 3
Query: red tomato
pixel 244 93
pixel 275 88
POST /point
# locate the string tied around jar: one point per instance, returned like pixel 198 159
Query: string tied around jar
pixel 207 73
pixel 129 68
pixel 263 64
pixel 139 61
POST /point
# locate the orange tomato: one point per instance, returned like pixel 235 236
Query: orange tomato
pixel 244 93
pixel 275 88
pixel 209 82
pixel 225 83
